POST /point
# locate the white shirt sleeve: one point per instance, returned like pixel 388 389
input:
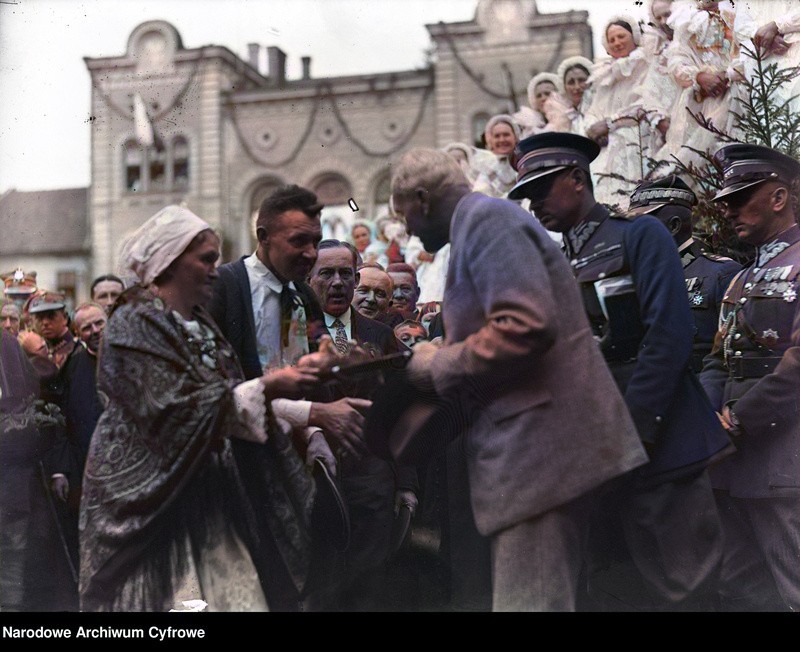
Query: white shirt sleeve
pixel 251 408
pixel 296 413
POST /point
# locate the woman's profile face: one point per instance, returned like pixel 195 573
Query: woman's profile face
pixel 543 90
pixel 620 41
pixel 195 270
pixel 575 80
pixel 503 140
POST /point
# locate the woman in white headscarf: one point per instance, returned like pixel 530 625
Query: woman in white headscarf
pixel 494 174
pixel 615 118
pixel 163 518
pixel 565 110
pixel 533 119
pixel 463 155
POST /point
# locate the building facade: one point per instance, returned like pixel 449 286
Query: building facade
pixel 205 128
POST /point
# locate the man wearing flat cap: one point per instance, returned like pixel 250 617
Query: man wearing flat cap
pixel 707 275
pixel 49 313
pixel 520 358
pixel 634 294
pixel 753 379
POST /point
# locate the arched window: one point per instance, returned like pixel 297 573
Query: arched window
pixel 157 168
pixel 380 198
pixel 332 189
pixel 382 191
pixel 157 160
pixel 479 121
pixel 180 162
pixel 134 156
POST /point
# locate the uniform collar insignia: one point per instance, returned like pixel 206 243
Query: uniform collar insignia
pixel 580 233
pixel 768 251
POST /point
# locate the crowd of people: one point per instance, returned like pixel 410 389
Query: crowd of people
pixel 510 394
pixel 643 100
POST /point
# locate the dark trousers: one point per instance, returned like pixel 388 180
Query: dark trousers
pixel 655 548
pixel 761 562
pixel 466 552
pixel 356 579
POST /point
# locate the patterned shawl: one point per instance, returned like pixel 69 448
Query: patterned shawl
pixel 160 460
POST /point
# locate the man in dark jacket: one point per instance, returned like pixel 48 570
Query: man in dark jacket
pixel 707 275
pixel 76 394
pixel 374 488
pixel 272 318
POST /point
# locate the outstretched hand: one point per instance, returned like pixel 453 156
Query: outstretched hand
pixel 290 382
pixel 342 422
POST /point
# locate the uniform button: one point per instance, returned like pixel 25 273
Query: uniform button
pixel 659 419
pixel 772 425
pixel 739 353
pixel 601 275
pixel 756 269
pixel 737 336
pixel 747 286
pixel 743 300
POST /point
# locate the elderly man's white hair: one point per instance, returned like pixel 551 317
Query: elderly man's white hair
pixel 422 167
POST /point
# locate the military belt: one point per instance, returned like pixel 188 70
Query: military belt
pixel 740 367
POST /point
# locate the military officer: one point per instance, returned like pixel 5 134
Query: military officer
pixel 48 310
pixel 634 293
pixel 707 275
pixel 753 379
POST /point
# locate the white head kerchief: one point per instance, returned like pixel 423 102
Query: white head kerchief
pixel 636 31
pixel 538 79
pixel 160 240
pixel 498 119
pixel 568 64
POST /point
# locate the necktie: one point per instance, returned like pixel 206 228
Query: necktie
pixel 340 341
pixel 287 308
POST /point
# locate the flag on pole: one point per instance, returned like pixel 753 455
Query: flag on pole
pixel 143 128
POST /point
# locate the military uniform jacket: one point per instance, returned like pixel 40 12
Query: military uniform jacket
pixel 634 293
pixel 707 277
pixel 755 368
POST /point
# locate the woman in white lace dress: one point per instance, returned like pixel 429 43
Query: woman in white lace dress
pixel 615 118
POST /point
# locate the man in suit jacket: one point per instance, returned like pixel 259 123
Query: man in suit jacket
pixel 272 318
pixel 373 488
pixel 545 425
pixel 670 540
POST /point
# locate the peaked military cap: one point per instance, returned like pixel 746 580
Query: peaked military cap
pixel 19 283
pixel 44 301
pixel 745 165
pixel 542 154
pixel 652 195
